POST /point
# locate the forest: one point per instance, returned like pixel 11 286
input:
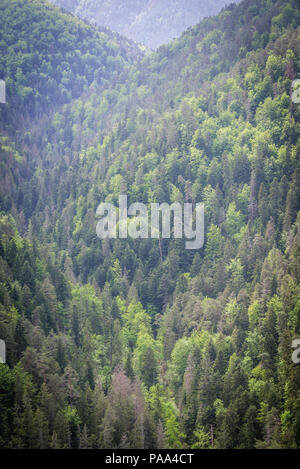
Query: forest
pixel 141 343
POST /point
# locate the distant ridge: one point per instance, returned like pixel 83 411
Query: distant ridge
pixel 151 22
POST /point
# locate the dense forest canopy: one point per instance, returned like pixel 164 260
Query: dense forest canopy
pixel 49 58
pixel 124 343
pixel 151 22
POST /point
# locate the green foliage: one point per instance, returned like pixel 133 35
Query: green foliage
pixel 143 21
pixel 141 343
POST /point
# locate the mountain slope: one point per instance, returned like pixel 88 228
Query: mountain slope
pixel 140 343
pixel 151 22
pixel 49 57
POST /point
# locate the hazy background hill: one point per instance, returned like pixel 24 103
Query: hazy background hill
pixel 152 22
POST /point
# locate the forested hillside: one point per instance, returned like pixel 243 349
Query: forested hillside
pixel 49 58
pixel 142 343
pixel 151 22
